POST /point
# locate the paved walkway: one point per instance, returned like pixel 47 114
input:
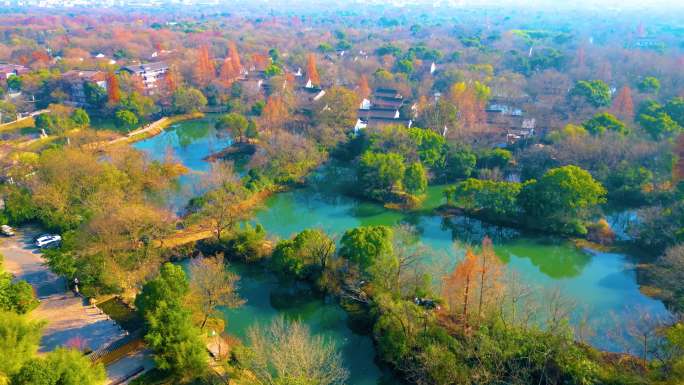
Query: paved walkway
pixel 123 368
pixel 69 319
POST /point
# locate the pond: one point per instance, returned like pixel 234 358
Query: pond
pixel 602 285
pixel 189 143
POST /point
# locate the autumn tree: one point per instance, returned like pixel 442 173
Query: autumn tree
pixel 363 89
pixel 274 114
pixel 623 105
pixel 459 288
pixel 339 109
pixel 234 57
pixel 204 70
pixel 221 206
pixel 228 73
pixel 490 272
pixel 113 90
pixel 211 286
pixel 475 285
pixel 311 70
pixel 260 61
pixel 172 80
pixel 470 99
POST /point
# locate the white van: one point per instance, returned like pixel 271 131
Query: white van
pixel 6 230
pixel 49 240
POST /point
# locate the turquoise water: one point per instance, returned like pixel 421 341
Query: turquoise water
pixel 189 143
pixel 602 285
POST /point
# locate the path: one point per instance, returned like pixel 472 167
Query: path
pixel 3 126
pixel 68 318
pixel 121 371
pixel 155 127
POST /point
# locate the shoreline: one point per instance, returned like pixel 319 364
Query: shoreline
pixel 151 130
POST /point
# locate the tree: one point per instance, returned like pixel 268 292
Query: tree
pixel 274 113
pixel 470 100
pixel 234 57
pixel 415 179
pixel 311 70
pixel 170 333
pixel 236 123
pixel 205 71
pixel 172 81
pixel 309 250
pixel 623 105
pixel 431 147
pixel 16 296
pixel 363 89
pixel 142 106
pixel 649 85
pixel 562 198
pixel 95 96
pixel 273 70
pixel 186 100
pixel 125 119
pixel 594 92
pixel 379 174
pixel 440 116
pixel 497 158
pixel 228 73
pixel 474 288
pixel 113 90
pixel 493 199
pixel 367 244
pixel 339 110
pixel 221 206
pixel 404 66
pixel 8 111
pixel 58 120
pixel 14 83
pixel 459 290
pixel 286 353
pixel 62 367
pixel 603 122
pixel 675 108
pixel 212 285
pixel 19 340
pixel 80 118
pixel 653 117
pixel 460 163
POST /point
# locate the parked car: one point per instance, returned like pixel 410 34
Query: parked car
pixel 6 230
pixel 48 240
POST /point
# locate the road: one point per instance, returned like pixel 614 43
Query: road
pixel 25 262
pixel 69 320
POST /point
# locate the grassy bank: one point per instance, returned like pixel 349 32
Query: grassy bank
pixel 23 123
pixel 155 128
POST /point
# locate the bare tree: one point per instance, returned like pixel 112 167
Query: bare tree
pixel 222 205
pixel 212 285
pixel 287 352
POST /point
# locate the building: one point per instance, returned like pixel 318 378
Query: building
pixel 526 131
pixel 150 73
pixel 384 108
pixel 75 81
pixel 7 70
